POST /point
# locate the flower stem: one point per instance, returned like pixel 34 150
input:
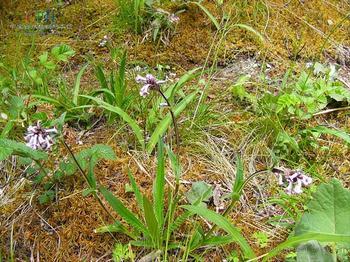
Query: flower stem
pixel 172 116
pixel 86 178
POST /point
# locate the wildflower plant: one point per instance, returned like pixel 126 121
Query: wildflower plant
pixel 37 137
pixel 150 83
pixel 296 179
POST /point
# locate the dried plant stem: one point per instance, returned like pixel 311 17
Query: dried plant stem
pixel 86 178
pixel 173 118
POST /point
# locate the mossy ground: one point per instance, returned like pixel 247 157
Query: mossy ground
pixel 294 34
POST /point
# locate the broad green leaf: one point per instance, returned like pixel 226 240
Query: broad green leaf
pixel 339 133
pixel 199 192
pixel 328 212
pixel 128 216
pixel 296 240
pixel 132 123
pixel 166 122
pixel 313 251
pixel 224 224
pixel 326 220
pixel 62 52
pixel 159 184
pixel 77 84
pixel 9 147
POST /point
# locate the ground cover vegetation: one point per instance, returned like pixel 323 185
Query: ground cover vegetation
pixel 135 130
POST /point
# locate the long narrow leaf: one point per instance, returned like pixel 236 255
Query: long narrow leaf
pixel 135 188
pixel 224 224
pixel 166 122
pixel 159 183
pixel 329 131
pixel 151 221
pixel 120 88
pixel 77 84
pixel 239 179
pixel 132 123
pixel 128 216
pixel 206 11
pixel 250 29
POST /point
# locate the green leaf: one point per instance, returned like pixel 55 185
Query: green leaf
pixel 296 240
pixel 239 179
pixel 325 130
pixel 250 29
pixel 128 216
pixel 9 147
pixel 5 152
pixel 43 59
pixel 326 220
pixel 115 227
pixel 132 123
pixel 35 77
pixel 313 251
pixel 151 220
pixel 62 52
pixel 77 84
pixel 166 122
pixel 200 192
pixel 158 187
pixel 136 190
pixel 224 224
pixel 211 17
pixel 328 211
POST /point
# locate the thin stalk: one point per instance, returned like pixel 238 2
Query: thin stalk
pixel 85 177
pixel 172 117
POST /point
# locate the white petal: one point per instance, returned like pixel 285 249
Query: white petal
pixel 306 180
pixel 297 189
pixel 51 130
pixel 144 91
pixel 280 179
pixel 289 188
pixel 140 79
pixel 150 77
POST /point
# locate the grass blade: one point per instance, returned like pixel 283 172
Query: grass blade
pixel 224 224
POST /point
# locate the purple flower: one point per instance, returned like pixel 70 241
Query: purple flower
pixel 296 179
pixel 149 83
pixel 38 137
